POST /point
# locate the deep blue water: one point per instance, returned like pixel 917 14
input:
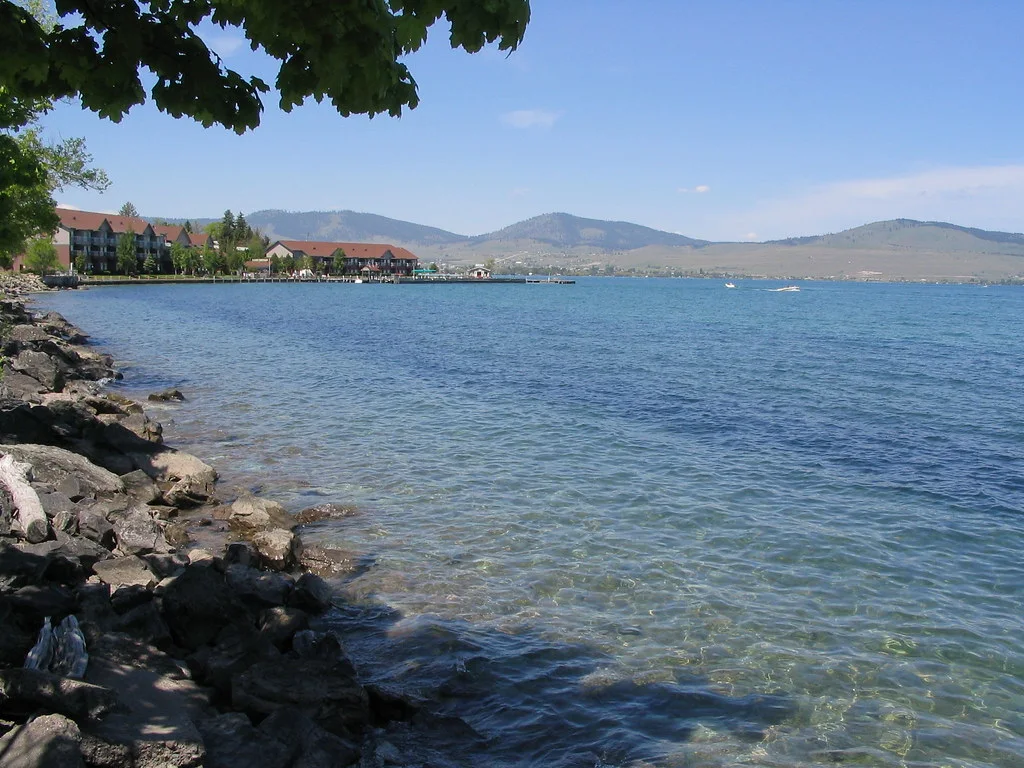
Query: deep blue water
pixel 638 520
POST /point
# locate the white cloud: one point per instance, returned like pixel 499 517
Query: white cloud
pixel 990 197
pixel 226 45
pixel 700 189
pixel 530 118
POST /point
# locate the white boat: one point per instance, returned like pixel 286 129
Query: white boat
pixel 729 285
pixel 357 280
pixel 787 289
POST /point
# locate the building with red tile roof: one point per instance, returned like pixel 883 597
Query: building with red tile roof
pixel 359 258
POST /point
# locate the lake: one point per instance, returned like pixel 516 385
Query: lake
pixel 636 521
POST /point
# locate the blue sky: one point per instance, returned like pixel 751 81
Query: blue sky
pixel 727 120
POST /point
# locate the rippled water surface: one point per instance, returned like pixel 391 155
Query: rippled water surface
pixel 633 522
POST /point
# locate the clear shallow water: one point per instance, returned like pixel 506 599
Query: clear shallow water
pixel 638 520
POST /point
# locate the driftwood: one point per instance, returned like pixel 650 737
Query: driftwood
pixel 29 511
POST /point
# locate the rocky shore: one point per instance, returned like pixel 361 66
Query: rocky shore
pixel 198 618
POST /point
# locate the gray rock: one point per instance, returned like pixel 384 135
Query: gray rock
pixel 198 605
pixel 21 387
pixel 232 742
pixel 325 691
pixel 279 549
pixel 327 561
pixel 166 564
pixel 311 746
pixel 96 528
pixel 190 492
pixel 140 487
pixel 258 588
pixel 238 647
pixel 26 332
pixel 311 594
pixel 167 396
pixel 120 571
pixel 168 464
pixel 328 511
pixel 138 533
pixel 43 600
pixel 145 623
pixel 53 465
pixel 242 553
pixel 55 502
pixel 87 552
pixel 25 690
pixel 49 741
pixel 40 367
pixel 250 515
pixel 129 596
pixel 65 521
pixel 177 535
pixel 279 624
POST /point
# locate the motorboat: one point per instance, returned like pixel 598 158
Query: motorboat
pixel 730 285
pixel 787 289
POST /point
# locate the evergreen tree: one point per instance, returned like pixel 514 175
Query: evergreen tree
pixel 149 266
pixel 187 226
pixel 128 210
pixel 227 230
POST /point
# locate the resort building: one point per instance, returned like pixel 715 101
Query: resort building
pixel 480 272
pixel 94 236
pixel 357 259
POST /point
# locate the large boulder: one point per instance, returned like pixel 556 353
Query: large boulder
pixel 125 571
pixel 250 515
pixel 279 549
pixel 168 464
pixel 27 690
pixel 138 533
pixel 233 742
pixel 49 741
pixel 198 604
pixel 40 367
pixel 53 466
pixel 258 588
pixel 325 691
pixel 311 745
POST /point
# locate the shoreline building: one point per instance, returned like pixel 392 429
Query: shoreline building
pixel 358 259
pixel 94 236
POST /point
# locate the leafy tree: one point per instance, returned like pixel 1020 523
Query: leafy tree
pixel 433 266
pixel 178 257
pixel 351 54
pixel 149 266
pixel 275 264
pixel 128 210
pixel 306 262
pixel 288 264
pixel 127 262
pixel 212 260
pixel 190 261
pixel 235 260
pixel 41 257
pixel 340 260
pixel 81 264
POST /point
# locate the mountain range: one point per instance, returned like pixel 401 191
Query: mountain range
pixel 895 249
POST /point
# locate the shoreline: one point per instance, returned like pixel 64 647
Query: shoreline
pixel 202 621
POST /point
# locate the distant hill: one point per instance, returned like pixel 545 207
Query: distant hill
pixel 925 235
pixel 566 231
pixel 896 249
pixel 342 226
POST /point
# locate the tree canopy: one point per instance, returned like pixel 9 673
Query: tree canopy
pixel 346 53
